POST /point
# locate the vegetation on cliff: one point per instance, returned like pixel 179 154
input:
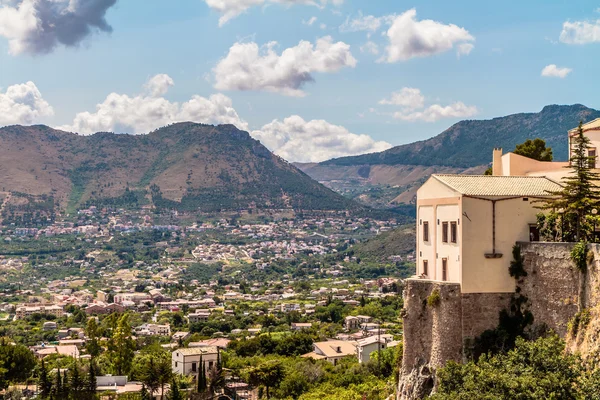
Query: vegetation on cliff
pixel 533 370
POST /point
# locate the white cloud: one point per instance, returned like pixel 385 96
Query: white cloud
pixel 230 9
pixel 250 67
pixel 555 72
pixel 323 26
pixel 311 21
pixel 295 139
pixel 23 104
pixel 159 85
pixel 148 111
pixel 464 49
pixel 412 107
pixel 580 32
pixel 38 26
pixel 368 23
pixel 409 38
pixel 410 98
pixel 436 112
pixel 370 47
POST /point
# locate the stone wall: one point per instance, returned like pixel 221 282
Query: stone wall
pixel 432 334
pixel 552 284
pixel 481 311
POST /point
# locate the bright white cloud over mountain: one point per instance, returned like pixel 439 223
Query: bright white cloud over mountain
pixel 23 104
pixel 412 104
pixel 295 139
pixel 230 9
pixel 580 32
pixel 411 98
pixel 38 26
pixel 553 71
pixel 250 67
pixel 409 38
pixel 147 111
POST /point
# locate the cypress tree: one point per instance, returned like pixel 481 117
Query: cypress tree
pixel 65 384
pixel 201 377
pixel 91 379
pixel 44 382
pixel 58 384
pixel 579 195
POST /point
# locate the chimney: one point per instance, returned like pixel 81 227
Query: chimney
pixel 497 162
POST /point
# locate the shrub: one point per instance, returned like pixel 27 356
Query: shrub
pixel 579 322
pixel 579 256
pixel 516 269
pixel 434 298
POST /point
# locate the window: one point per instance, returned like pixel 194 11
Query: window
pixel 445 232
pixel 210 364
pixel 425 265
pixel 426 231
pixel 176 364
pixel 592 157
pixel 444 269
pixel 194 367
pixel 453 232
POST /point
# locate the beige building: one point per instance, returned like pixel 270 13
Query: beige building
pixel 468 224
pixel 51 309
pixel 511 164
pixel 332 350
pixel 187 361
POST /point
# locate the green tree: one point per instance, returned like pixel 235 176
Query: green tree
pixel 44 382
pixel 121 347
pixel 91 379
pixel 17 361
pixel 532 370
pixel 201 382
pixel 535 149
pixel 76 381
pixel 579 195
pixel 149 375
pixel 93 338
pixel 175 393
pixel 268 374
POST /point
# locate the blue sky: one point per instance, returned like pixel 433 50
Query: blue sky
pixel 336 112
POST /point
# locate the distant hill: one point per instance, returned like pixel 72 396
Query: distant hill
pixel 399 241
pixel 470 143
pixel 391 177
pixel 185 166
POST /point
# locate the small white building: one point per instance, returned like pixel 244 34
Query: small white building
pixel 187 361
pixel 365 347
pixel 153 330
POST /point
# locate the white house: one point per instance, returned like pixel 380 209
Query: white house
pixel 187 361
pixel 365 347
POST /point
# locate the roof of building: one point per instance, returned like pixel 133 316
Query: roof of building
pixel 330 348
pixel 485 185
pixel 595 124
pixel 193 351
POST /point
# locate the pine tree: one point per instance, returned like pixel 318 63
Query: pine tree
pixel 66 388
pixel 122 347
pixel 579 195
pixel 44 382
pixel 91 379
pixel 76 382
pixel 175 394
pixel 58 390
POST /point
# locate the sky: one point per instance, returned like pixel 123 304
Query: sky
pixel 310 79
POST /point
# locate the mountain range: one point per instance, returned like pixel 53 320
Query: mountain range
pixel 186 167
pixel 391 177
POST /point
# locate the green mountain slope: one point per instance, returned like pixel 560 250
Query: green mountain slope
pixel 470 143
pixel 186 166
